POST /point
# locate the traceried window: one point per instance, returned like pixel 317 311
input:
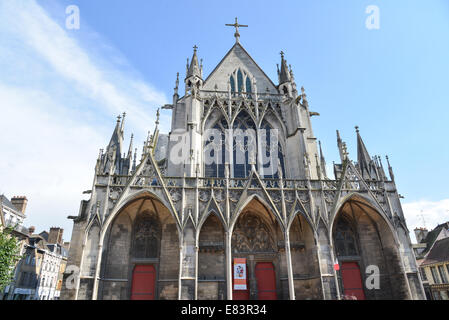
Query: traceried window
pixel 272 153
pixel 345 240
pixel 244 145
pixel 240 82
pixel 146 236
pixel 215 150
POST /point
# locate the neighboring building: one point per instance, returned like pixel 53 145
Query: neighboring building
pixel 433 260
pixel 240 182
pixel 12 214
pixel 39 273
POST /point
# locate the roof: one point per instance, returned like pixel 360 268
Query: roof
pixel 7 203
pixel 433 235
pixel 438 253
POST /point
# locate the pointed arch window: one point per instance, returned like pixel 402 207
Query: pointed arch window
pixel 345 240
pixel 239 81
pixel 272 153
pixel 215 150
pixel 232 81
pixel 248 85
pixel 146 236
pixel 244 145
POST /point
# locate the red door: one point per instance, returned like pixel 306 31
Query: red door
pixel 266 281
pixel 352 280
pixel 144 278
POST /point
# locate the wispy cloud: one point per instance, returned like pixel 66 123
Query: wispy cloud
pixel 425 213
pixel 58 97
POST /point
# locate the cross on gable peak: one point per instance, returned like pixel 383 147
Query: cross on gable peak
pixel 236 25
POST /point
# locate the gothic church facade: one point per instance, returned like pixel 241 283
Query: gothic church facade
pixel 171 224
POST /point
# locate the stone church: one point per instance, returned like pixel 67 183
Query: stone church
pixel 236 203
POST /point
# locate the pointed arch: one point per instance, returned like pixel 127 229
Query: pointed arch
pixel 361 236
pixel 142 231
pixel 254 198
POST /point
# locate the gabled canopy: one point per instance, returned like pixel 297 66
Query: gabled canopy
pixel 235 58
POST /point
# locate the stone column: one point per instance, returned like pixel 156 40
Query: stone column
pixel 189 258
pixel 228 252
pixel 97 271
pixel 291 284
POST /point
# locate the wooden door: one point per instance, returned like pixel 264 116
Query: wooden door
pixel 143 285
pixel 352 280
pixel 266 281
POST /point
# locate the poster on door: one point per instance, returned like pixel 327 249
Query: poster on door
pixel 240 274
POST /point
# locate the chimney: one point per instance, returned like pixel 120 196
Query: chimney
pixel 55 235
pixel 420 234
pixel 20 202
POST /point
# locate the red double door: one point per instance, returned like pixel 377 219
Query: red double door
pixel 352 280
pixel 266 283
pixel 143 285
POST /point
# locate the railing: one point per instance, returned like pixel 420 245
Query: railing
pixel 240 183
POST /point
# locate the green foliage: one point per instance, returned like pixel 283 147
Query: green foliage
pixel 9 255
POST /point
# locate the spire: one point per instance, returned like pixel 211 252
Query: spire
pixel 390 169
pixel 134 160
pixel 340 146
pixel 130 149
pixel 284 75
pixel 381 170
pixel 116 139
pixel 322 160
pixel 177 84
pixel 194 69
pixel 363 158
pixel 123 123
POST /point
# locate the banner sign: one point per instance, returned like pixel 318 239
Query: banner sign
pixel 240 274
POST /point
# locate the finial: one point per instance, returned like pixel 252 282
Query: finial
pixel 357 129
pixel 303 90
pixel 282 54
pixel 118 118
pixel 195 48
pixel 157 116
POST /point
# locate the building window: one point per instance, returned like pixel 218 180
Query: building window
pixel 442 274
pixel 244 145
pixel 272 152
pixel 215 150
pixel 239 81
pixel 345 242
pixel 435 276
pixel 423 274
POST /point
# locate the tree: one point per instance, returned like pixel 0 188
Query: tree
pixel 9 255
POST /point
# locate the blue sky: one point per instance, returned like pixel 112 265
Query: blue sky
pixel 61 89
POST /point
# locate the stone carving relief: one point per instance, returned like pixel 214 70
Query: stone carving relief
pixel 252 235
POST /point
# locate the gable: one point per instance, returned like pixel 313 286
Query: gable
pixel 235 58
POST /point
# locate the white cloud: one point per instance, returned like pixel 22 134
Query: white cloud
pixel 58 100
pixel 425 213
